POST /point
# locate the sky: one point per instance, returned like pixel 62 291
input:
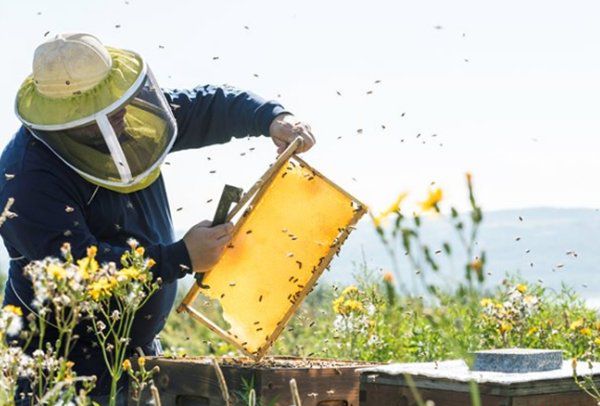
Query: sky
pixel 505 90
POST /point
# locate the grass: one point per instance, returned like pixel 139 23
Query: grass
pixel 391 327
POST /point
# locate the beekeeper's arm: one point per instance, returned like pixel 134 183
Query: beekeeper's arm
pixel 210 115
pixel 52 213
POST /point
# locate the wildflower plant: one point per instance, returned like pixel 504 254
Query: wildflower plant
pixel 114 297
pixel 14 363
pixel 140 378
pixel 510 318
pixel 67 292
pixel 359 325
pixel 405 236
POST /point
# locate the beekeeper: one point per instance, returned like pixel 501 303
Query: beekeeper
pixel 85 169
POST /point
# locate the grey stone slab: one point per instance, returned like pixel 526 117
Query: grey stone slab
pixel 517 360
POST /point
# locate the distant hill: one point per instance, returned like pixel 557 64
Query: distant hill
pixel 548 233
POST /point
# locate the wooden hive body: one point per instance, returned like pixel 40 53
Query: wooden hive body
pixel 447 384
pixel 193 381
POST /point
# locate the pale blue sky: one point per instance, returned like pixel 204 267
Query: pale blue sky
pixel 521 113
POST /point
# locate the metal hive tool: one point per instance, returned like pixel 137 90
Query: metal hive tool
pixel 295 220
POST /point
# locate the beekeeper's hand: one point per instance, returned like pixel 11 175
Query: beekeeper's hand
pixel 285 128
pixel 205 244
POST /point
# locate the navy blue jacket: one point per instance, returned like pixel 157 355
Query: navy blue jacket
pixel 43 186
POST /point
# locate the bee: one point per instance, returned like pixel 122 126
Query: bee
pixel 260 298
pixel 249 232
pixel 231 284
pixel 222 295
pixel 299 264
pixel 259 329
pixel 283 174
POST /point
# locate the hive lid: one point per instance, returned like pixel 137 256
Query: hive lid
pixel 291 229
pixel 457 370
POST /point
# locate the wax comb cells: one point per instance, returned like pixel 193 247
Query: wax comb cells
pixel 282 243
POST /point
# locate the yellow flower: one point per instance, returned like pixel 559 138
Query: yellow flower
pixel 377 220
pixel 141 361
pixel 337 305
pixel 353 306
pixel 126 365
pixel 469 177
pixel 350 290
pixel 388 277
pixel 505 327
pixel 477 265
pixel 92 251
pixel 393 208
pixel 56 271
pixel 597 341
pixel 485 302
pixel 521 288
pixel 150 263
pixel 87 264
pixel 140 250
pixel 532 330
pixel 16 310
pixel 102 288
pixel 576 324
pixel 433 199
pixel 586 331
pixel 130 273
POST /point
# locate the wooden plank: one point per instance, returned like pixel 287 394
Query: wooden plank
pixel 494 389
pixel 372 394
pixel 556 399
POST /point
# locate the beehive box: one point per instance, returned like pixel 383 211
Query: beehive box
pixel 193 381
pixel 447 384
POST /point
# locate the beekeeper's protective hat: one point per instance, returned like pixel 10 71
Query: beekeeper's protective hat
pixel 99 109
